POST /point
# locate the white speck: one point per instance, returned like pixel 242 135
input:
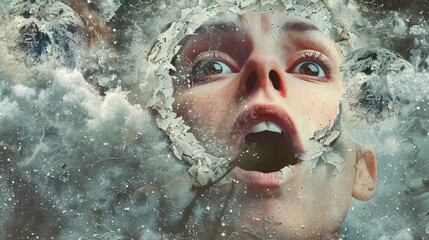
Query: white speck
pixel 223 234
pixel 208 208
pixel 127 209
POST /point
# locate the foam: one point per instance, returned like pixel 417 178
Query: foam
pixel 77 164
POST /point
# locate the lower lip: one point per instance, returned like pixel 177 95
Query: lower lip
pixel 270 180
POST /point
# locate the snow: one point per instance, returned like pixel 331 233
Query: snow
pixel 75 164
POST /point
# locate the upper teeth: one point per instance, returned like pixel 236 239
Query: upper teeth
pixel 266 126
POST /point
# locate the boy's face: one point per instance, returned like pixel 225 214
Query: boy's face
pixel 263 84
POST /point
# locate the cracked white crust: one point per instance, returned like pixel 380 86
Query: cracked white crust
pixel 203 166
pixel 320 147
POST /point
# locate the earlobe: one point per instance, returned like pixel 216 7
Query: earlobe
pixel 364 186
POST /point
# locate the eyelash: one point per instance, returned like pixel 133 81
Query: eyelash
pixel 213 56
pixel 316 56
pixel 313 55
pixel 319 58
pixel 206 57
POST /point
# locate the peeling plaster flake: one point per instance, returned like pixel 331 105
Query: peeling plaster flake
pixel 313 150
pixel 313 162
pixel 305 2
pixel 321 133
pixel 300 10
pixel 309 10
pixel 204 175
pixel 176 150
pixel 319 147
pixel 163 95
pixel 287 4
pixel 193 169
pixel 185 12
pixel 246 3
pixel 268 2
pixel 417 30
pixel 334 159
pixel 331 137
pixel 286 171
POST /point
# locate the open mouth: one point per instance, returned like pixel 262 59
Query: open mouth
pixel 267 149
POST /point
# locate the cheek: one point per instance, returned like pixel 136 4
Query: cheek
pixel 203 109
pixel 331 192
pixel 325 112
pixel 320 110
pixel 190 107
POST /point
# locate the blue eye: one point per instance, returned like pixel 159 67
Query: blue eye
pixel 212 67
pixel 309 68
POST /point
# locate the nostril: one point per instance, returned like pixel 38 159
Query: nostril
pixel 251 81
pixel 275 79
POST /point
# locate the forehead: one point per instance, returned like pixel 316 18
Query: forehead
pixel 243 31
pixel 248 26
pixel 266 22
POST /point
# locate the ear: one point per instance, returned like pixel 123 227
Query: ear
pixel 366 174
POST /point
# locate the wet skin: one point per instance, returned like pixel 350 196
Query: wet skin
pixel 240 72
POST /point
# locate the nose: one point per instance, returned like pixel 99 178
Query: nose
pixel 263 72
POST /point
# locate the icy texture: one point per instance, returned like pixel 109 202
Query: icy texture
pixel 108 8
pixel 387 107
pixel 320 147
pixel 37 37
pixel 378 83
pixel 78 165
pixel 205 168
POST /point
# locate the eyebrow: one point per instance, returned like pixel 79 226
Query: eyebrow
pixel 221 25
pixel 299 26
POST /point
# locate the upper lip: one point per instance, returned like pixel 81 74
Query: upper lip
pixel 269 113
